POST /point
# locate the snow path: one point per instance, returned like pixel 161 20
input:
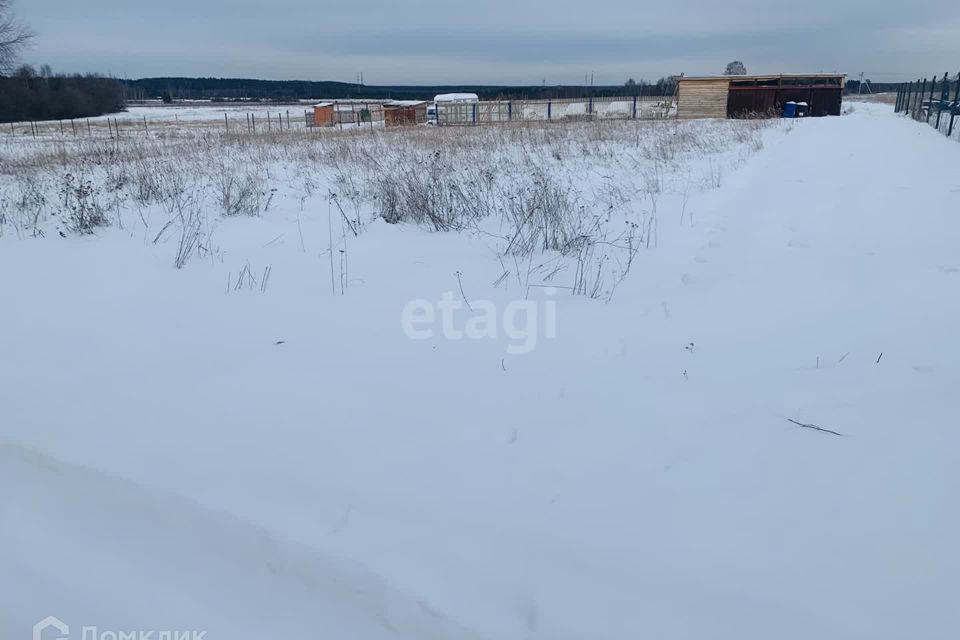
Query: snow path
pixel 618 482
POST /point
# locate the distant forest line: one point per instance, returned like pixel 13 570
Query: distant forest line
pixel 42 95
pixel 29 94
pixel 284 90
pixel 289 90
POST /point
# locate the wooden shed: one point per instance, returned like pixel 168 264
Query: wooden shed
pixel 398 113
pixel 702 97
pixel 758 95
pixel 324 114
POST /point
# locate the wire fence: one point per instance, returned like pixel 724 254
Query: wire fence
pixel 346 114
pixel 130 124
pixel 935 101
pixel 589 108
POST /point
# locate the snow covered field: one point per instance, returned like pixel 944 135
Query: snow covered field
pixel 255 445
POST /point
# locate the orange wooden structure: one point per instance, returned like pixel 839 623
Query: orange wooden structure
pixel 398 113
pixel 324 114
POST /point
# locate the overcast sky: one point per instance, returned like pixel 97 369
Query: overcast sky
pixel 490 41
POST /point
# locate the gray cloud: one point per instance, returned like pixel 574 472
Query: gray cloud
pixel 499 41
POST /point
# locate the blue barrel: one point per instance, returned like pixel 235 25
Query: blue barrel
pixel 790 110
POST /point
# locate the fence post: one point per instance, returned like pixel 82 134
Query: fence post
pixel 146 129
pixel 474 113
pixel 61 127
pixel 954 107
pixel 896 103
pixel 918 108
pixel 226 124
pixel 510 111
pixel 89 130
pixel 933 82
pixel 634 107
pixel 73 125
pixel 549 109
pixel 590 107
pixel 944 94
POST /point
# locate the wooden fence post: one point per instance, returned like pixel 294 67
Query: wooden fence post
pixel 933 81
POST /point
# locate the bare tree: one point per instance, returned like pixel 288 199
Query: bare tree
pixel 14 36
pixel 735 68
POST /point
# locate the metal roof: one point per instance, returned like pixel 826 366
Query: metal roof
pixel 765 76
